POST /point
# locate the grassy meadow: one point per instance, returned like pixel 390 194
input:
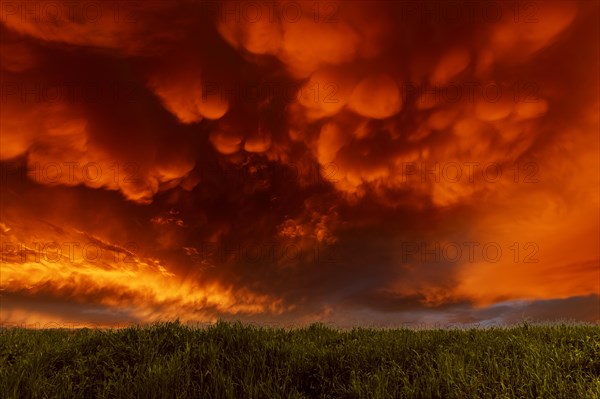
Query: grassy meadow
pixel 232 360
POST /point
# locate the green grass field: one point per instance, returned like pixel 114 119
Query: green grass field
pixel 231 360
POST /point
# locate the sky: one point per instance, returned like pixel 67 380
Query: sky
pixel 288 162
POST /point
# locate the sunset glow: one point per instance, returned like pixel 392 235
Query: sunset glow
pixel 351 162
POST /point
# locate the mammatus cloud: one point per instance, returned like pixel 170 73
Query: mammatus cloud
pixel 354 162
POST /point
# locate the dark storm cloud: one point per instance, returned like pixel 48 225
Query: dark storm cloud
pixel 291 166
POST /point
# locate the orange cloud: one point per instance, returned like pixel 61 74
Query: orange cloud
pixel 299 161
